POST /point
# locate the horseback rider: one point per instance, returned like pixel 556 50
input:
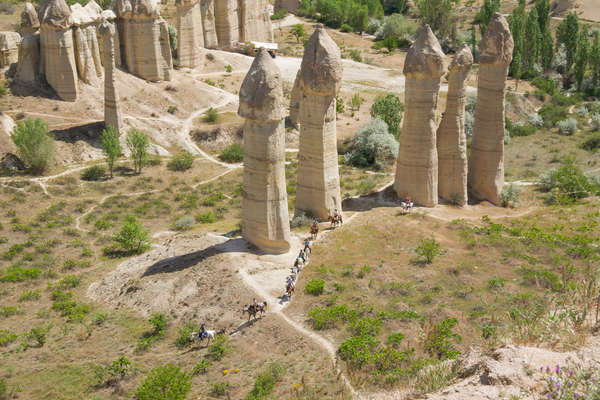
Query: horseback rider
pixel 307 246
pixel 296 265
pixel 202 331
pixel 336 214
pixel 301 256
pixel 254 304
pixel 315 224
pixel 290 282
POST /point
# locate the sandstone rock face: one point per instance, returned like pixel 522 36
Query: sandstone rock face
pixel 288 5
pixel 295 100
pixel 417 166
pixel 57 48
pixel 486 165
pixel 112 111
pixel 28 67
pixel 189 32
pixel 30 22
pixel 110 16
pixel 255 22
pixel 144 40
pixel 451 136
pixel 320 76
pixel 265 219
pixel 207 9
pixel 9 48
pixel 227 22
pixel 87 49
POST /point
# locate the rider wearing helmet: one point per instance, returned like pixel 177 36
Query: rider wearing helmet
pixel 202 331
pixel 301 256
pixel 306 245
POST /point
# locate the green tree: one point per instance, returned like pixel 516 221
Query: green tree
pixel 428 249
pixel 473 42
pixel 595 59
pixel 568 34
pixel 439 15
pixel 389 108
pixel 166 382
pixel 298 32
pixel 516 22
pixel 34 145
pixel 547 50
pixel 543 12
pixel 111 147
pixel 583 55
pixel 485 14
pixel 517 68
pixel 133 237
pixel 533 38
pixel 359 18
pixel 137 143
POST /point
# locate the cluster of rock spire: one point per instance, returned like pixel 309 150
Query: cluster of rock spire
pixel 61 46
pixel 432 161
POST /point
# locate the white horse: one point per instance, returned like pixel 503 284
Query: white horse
pixel 208 335
pixel 406 205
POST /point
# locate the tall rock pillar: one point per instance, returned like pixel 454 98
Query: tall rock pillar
pixel 417 166
pixel 57 49
pixel 207 9
pixel 451 136
pixel 112 111
pixel 320 79
pixel 265 220
pixel 486 165
pixel 255 22
pixel 28 68
pixel 189 32
pixel 227 22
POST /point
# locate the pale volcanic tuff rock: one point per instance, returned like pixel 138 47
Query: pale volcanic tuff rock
pixel 9 48
pixel 57 48
pixel 28 66
pixel 112 110
pixel 87 50
pixel 417 166
pixel 255 22
pixel 110 16
pixel 227 22
pixel 190 37
pixel 207 9
pixel 318 187
pixel 486 165
pixel 265 219
pixel 144 38
pixel 451 136
pixel 295 100
pixel 288 5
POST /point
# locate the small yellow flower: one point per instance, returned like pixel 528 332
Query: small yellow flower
pixel 297 385
pixel 225 371
pixel 237 370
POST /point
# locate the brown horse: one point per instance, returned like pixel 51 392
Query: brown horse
pixel 289 290
pixel 314 231
pixel 253 311
pixel 335 221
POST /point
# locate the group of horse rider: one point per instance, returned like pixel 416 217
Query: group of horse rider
pixel 300 261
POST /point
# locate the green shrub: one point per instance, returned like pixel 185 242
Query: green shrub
pixel 159 323
pixel 206 218
pixel 101 225
pixel 37 335
pixel 544 84
pixel 496 283
pixel 279 14
pixel 9 311
pixel 166 382
pixel 94 173
pixel 551 114
pixel 355 55
pixel 395 339
pixel 428 249
pixel 184 223
pixel 358 350
pixel 219 389
pixel 265 382
pixel 138 143
pixel 30 295
pixel 7 337
pixel 133 238
pixel 324 318
pixel 567 127
pixel 211 116
pixel 372 145
pixel 346 28
pixel 172 109
pixel 567 184
pixel 3 389
pixel 15 273
pixel 201 368
pixel 301 218
pixel 183 335
pixel 34 146
pixel 181 162
pixel 218 348
pixel 522 130
pixel 366 326
pixel 541 277
pixel 69 282
pixel 591 142
pixel 510 196
pixel 339 105
pixel 315 287
pixel 232 154
pixel 389 108
pixel 441 340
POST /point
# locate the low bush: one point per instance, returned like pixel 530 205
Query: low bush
pixel 544 84
pixel 428 249
pixel 218 348
pixel 30 295
pixel 34 144
pixel 534 119
pixel 441 340
pixel 15 273
pixel 132 238
pixel 37 335
pixel 201 368
pixel 207 218
pixel 301 218
pixel 183 335
pixel 7 337
pixel 567 184
pixel 568 126
pixel 265 382
pixel 510 196
pixel 324 318
pixel 220 389
pixel 94 173
pixel 315 287
pixel 355 55
pixel 372 145
pixel 552 114
pixel 279 14
pixel 184 223
pixel 211 116
pixel 181 162
pixel 357 350
pixel 522 130
pixel 591 142
pixel 595 121
pixel 166 382
pixel 232 154
pixel 346 28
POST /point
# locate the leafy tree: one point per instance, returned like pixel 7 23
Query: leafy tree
pixel 133 237
pixel 583 55
pixel 542 8
pixel 173 42
pixel 358 17
pixel 298 32
pixel 395 6
pixel 517 67
pixel 111 147
pixel 516 22
pixel 485 14
pixel 389 108
pixel 138 143
pixel 547 50
pixel 473 41
pixel 428 249
pixel 595 59
pixel 166 382
pixel 568 34
pixel 439 15
pixel 372 144
pixel 533 37
pixel 34 145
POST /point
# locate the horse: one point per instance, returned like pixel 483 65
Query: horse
pixel 314 231
pixel 406 205
pixel 336 220
pixel 208 335
pixel 289 290
pixel 253 311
